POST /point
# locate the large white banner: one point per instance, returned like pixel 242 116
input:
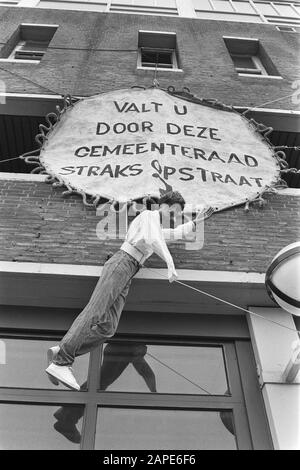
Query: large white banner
pixel 130 143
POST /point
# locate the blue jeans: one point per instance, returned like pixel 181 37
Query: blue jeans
pixel 99 319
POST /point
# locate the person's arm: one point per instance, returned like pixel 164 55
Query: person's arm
pixel 180 232
pixel 183 230
pixel 153 236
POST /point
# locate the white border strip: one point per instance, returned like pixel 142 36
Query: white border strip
pixel 289 192
pixel 22 177
pixel 95 271
pixel 287 112
pixel 34 96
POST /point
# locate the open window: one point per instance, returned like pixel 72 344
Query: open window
pixel 157 50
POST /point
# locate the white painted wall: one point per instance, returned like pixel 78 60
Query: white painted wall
pixel 186 8
pixel 28 3
pixel 283 409
pixel 273 347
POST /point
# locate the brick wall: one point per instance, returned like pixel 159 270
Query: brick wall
pixel 38 225
pixel 97 52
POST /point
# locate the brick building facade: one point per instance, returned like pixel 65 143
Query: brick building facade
pixel 94 53
pixel 51 257
pixel 41 213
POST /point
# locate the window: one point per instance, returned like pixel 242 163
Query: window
pixel 33 427
pixel 192 393
pixel 74 5
pixel 157 58
pixel 202 5
pixel 161 7
pixel 243 7
pixel 166 429
pixel 254 11
pixel 157 50
pixel 285 10
pixel 248 64
pixel 266 8
pixel 250 58
pixel 199 379
pixel 222 5
pixel 279 12
pixel 29 43
pixel 30 373
pixel 197 370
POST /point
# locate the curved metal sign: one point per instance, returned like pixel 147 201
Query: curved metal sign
pixel 130 143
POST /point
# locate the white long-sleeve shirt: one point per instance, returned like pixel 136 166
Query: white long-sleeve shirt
pixel 146 234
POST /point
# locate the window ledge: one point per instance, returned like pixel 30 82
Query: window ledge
pixel 22 61
pixel 276 77
pixel 22 176
pixel 160 69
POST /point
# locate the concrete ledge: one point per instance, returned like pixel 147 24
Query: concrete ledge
pixel 70 286
pixel 145 273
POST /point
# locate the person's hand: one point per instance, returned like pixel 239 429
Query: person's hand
pixel 172 275
pixel 207 212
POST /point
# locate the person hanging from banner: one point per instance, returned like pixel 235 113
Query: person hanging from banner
pixel 99 319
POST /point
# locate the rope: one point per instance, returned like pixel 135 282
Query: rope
pixel 267 102
pixel 9 159
pixel 31 81
pixel 49 89
pixel 178 373
pixel 58 93
pixel 225 301
pixel 155 81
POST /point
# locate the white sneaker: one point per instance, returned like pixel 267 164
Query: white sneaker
pixel 51 353
pixel 63 374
